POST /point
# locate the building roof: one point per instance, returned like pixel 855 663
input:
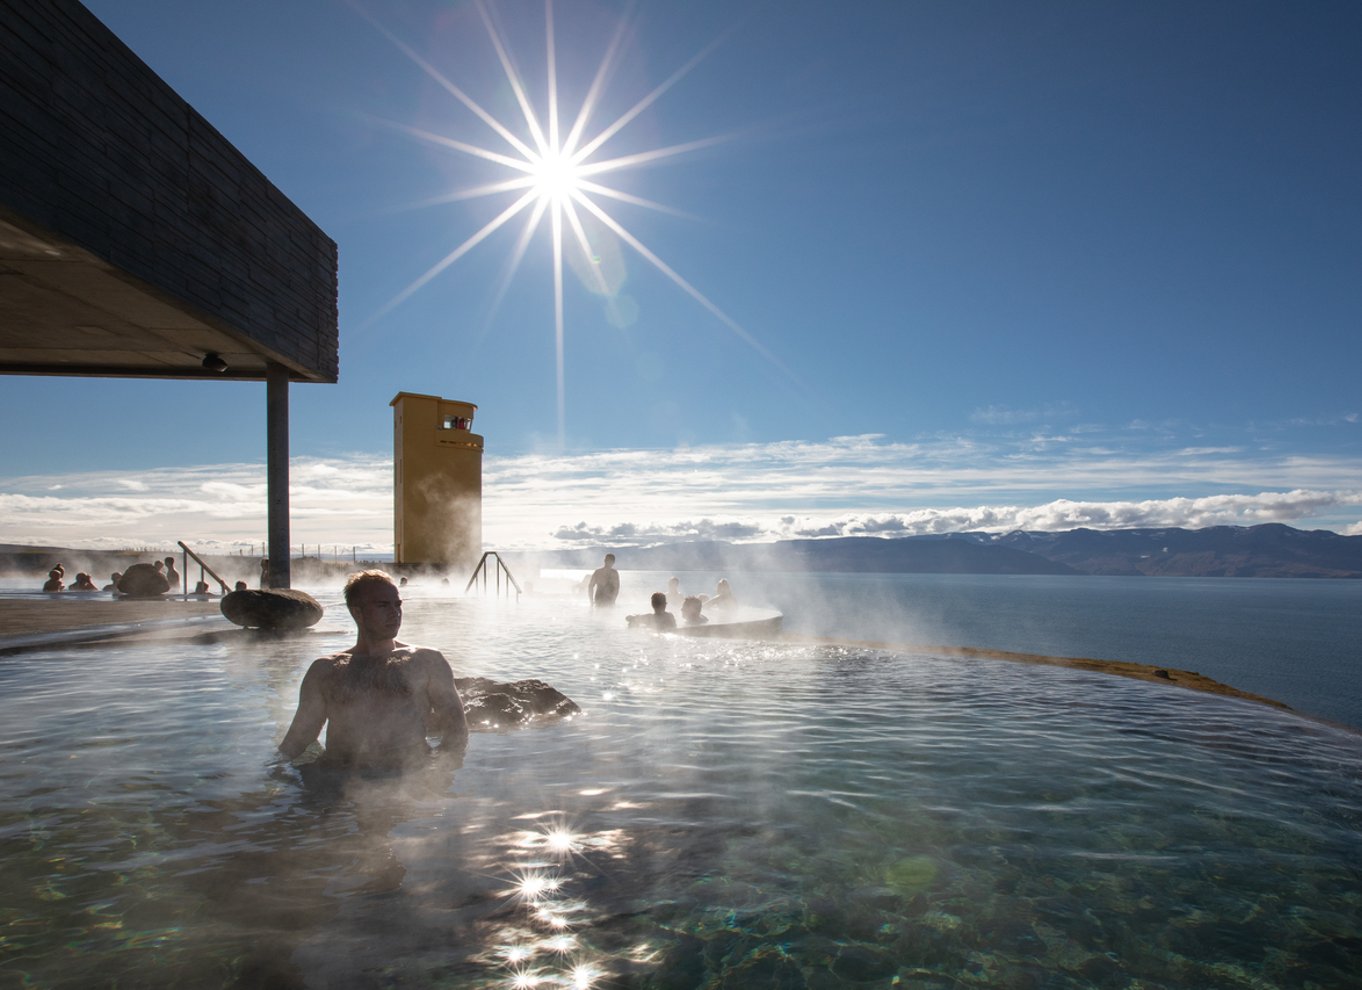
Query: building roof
pixel 134 239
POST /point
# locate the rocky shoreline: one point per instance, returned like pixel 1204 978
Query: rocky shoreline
pixel 1120 668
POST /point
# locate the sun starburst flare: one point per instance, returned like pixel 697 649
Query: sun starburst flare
pixel 559 177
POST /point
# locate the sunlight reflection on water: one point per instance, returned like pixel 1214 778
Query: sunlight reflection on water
pixel 723 814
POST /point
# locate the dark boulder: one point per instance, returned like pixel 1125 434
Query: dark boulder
pixel 142 581
pixel 277 610
pixel 499 705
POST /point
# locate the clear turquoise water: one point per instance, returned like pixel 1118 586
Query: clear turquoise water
pixel 724 814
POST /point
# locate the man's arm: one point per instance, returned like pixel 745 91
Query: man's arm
pixel 446 707
pixel 311 714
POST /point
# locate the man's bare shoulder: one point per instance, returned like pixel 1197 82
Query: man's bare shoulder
pixel 323 666
pixel 335 659
pixel 420 656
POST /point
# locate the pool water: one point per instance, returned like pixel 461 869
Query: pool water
pixel 723 814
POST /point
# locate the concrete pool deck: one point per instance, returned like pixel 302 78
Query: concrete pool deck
pixel 39 621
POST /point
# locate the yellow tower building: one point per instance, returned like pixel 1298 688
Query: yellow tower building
pixel 437 470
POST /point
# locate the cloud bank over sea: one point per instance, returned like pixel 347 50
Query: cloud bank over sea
pixel 864 485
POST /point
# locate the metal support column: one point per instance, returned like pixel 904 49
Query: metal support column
pixel 276 472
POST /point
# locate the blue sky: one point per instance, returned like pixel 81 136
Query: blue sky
pixel 966 265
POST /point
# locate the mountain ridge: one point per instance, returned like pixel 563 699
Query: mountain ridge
pixel 1266 550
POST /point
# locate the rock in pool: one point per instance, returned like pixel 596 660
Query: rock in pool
pixel 143 581
pixel 276 610
pixel 496 705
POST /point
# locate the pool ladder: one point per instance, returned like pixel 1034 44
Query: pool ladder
pixel 491 560
pixel 184 568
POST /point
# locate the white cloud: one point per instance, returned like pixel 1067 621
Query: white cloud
pixel 855 485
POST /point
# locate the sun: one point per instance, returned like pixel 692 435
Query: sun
pixel 558 177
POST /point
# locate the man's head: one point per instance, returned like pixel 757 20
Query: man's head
pixel 659 601
pixel 610 560
pixel 690 608
pixel 673 585
pixel 374 603
pixel 356 584
pixel 170 562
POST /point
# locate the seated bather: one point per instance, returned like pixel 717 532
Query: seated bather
pixel 114 578
pixel 380 699
pixel 83 583
pixel 722 597
pixel 690 611
pixel 54 581
pixel 658 619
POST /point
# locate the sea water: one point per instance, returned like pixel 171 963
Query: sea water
pixel 1298 641
pixel 723 814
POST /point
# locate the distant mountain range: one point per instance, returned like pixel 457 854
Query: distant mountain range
pixel 1221 551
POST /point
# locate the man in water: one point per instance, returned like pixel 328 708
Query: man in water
pixel 381 697
pixel 690 611
pixel 659 618
pixel 604 586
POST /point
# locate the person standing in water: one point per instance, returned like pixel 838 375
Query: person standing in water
pixel 381 698
pixel 172 575
pixel 604 586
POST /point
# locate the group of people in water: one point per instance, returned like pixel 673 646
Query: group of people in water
pixel 56 581
pixel 603 587
pixel 382 700
pixel 165 567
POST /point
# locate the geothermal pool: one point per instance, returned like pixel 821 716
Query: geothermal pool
pixel 724 814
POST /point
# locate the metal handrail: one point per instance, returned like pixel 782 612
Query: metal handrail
pixel 501 569
pixel 199 560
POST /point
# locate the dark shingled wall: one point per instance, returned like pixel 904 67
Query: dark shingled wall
pixel 95 147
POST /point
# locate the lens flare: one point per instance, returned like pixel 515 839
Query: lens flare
pixel 562 841
pixel 584 976
pixel 534 886
pixel 558 175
